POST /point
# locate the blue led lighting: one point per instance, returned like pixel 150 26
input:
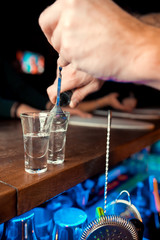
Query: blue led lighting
pixel 23 217
pixel 70 217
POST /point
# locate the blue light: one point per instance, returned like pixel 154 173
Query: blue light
pixel 43 223
pixel 1 229
pixel 23 217
pixel 61 201
pixel 20 227
pixel 70 217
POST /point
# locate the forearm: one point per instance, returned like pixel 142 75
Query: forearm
pixel 88 106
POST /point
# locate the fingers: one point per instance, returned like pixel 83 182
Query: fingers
pixel 52 93
pixel 80 82
pixel 49 19
pixel 80 93
pixel 52 90
pixel 50 24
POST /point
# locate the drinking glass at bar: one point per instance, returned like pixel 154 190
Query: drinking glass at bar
pixel 36 132
pixel 57 140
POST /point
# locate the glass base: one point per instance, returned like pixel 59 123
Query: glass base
pixel 35 171
pixel 59 161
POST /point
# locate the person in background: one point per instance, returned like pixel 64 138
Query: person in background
pixel 22 90
pixel 109 101
pixel 117 46
pixel 16 96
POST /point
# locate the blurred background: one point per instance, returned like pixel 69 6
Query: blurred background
pixel 28 62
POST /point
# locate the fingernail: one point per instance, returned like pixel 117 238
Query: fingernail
pixel 72 105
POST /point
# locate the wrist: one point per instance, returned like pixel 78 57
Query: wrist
pixel 97 104
pixel 14 110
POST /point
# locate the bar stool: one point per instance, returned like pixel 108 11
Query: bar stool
pixel 69 224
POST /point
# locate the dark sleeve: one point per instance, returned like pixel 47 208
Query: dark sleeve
pixel 5 107
pixel 24 92
pixel 147 97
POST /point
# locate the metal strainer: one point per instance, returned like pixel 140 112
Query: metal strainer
pixel 110 228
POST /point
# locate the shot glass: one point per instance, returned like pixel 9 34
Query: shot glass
pixel 36 132
pixel 57 141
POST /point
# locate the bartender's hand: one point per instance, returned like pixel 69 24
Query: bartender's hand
pixel 85 84
pixel 100 38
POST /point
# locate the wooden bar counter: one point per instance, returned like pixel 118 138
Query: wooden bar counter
pixel 85 157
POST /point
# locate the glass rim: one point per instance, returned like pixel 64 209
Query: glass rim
pixel 35 114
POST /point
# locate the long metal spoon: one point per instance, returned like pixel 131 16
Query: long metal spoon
pixel 59 115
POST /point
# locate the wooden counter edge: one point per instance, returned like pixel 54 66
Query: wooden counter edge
pixel 8 202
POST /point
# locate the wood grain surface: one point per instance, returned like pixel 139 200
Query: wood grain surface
pixel 85 157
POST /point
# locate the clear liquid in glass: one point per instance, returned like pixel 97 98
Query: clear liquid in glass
pixel 56 152
pixel 36 152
